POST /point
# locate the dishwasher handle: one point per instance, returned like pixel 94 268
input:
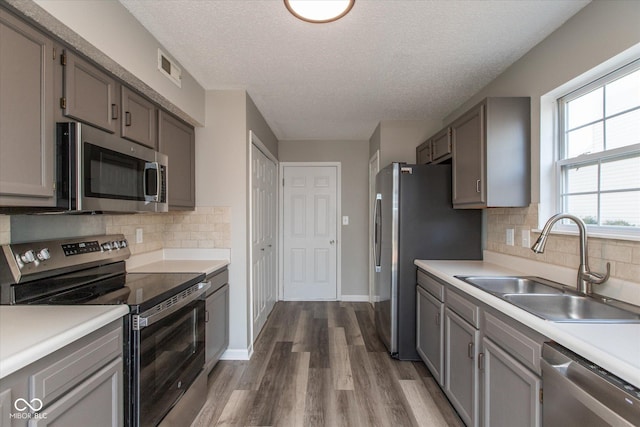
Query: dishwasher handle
pixel 610 404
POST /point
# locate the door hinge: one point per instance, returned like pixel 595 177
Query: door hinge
pixel 63 59
pixel 63 102
pixel 541 394
pixel 283 182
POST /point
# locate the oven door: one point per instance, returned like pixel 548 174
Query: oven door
pixel 167 357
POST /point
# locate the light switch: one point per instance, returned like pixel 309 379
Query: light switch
pixel 138 235
pixel 526 238
pixel 345 220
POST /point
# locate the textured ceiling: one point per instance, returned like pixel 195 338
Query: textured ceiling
pixel 386 60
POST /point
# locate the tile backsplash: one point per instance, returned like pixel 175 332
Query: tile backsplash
pixel 562 250
pixel 206 227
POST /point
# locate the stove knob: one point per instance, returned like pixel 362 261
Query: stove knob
pixel 28 257
pixel 19 262
pixel 115 245
pixel 106 246
pixel 123 243
pixel 44 254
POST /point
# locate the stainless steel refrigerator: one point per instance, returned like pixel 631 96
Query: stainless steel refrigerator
pixel 414 219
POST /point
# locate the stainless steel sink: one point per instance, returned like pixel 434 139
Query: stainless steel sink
pixel 571 308
pixel 501 285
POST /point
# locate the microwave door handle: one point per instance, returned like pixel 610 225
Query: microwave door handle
pixel 152 197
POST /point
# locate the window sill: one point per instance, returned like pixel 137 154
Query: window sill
pixel 596 234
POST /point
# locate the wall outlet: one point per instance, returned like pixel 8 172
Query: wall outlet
pixel 139 238
pixel 526 238
pixel 345 220
pixel 510 237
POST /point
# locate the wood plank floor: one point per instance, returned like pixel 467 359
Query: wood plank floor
pixel 322 364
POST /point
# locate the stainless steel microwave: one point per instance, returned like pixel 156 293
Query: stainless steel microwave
pixel 99 171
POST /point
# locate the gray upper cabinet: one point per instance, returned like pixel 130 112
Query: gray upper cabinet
pixel 491 154
pixel 177 140
pixel 26 115
pixel 441 146
pixel 423 153
pixel 139 116
pixel 89 94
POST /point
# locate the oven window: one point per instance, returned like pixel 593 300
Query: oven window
pixel 109 174
pixel 171 356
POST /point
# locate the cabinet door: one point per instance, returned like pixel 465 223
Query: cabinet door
pixel 177 140
pixel 26 115
pixel 429 332
pixel 96 402
pixel 89 94
pixel 139 117
pixel 441 145
pixel 423 153
pixel 461 369
pixel 468 143
pixel 217 327
pixel 511 391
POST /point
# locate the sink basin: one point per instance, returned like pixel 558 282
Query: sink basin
pixel 511 285
pixel 571 308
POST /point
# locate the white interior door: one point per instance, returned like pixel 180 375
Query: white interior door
pixel 263 237
pixel 310 233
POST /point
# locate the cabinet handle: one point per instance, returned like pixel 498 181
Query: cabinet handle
pixel 127 118
pixel 114 111
pixel 437 319
pixel 478 186
pixel 481 361
pixel 206 316
pixel 470 350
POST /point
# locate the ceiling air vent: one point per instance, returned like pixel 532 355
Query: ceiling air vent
pixel 169 68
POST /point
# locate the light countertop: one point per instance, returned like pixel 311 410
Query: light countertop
pixel 614 347
pixel 29 333
pixel 206 261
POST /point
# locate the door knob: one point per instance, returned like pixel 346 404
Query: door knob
pixel 332 242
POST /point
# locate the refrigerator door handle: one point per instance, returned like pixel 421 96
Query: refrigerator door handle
pixel 377 225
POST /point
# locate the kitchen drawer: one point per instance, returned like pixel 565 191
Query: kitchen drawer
pixel 464 308
pixel 522 347
pixel 431 285
pixel 76 362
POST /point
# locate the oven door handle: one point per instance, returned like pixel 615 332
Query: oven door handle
pixel 164 309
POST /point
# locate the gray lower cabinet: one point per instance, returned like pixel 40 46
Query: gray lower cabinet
pixel 511 392
pixel 177 140
pixel 139 118
pixel 430 332
pixel 89 94
pixel 26 115
pixel 217 318
pixel 461 382
pixel 80 384
pixel 491 154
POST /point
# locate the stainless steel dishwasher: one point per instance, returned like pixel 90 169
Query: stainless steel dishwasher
pixel 580 393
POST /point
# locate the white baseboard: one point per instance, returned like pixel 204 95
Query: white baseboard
pixel 236 354
pixel 355 298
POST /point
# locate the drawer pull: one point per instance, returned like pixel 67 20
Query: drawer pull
pixel 470 350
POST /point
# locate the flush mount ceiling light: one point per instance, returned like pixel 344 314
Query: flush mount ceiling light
pixel 319 11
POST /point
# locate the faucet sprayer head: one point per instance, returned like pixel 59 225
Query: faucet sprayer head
pixel 538 246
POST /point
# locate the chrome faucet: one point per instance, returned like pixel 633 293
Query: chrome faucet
pixel 585 276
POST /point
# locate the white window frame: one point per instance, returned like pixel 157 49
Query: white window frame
pixel 570 92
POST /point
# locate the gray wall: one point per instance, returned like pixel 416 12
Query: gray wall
pixel 257 124
pixel 397 139
pixel 353 155
pixel 221 180
pixel 600 31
